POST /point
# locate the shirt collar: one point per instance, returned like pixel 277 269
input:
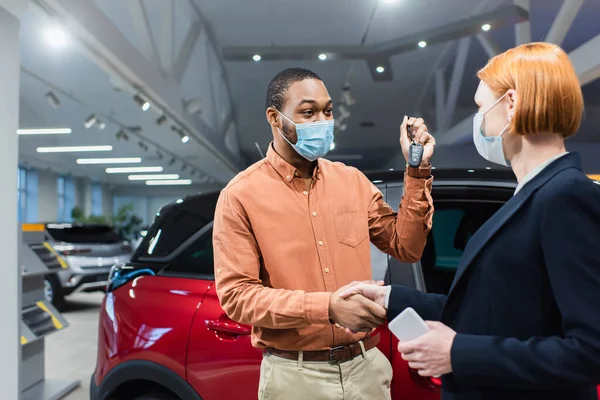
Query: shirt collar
pixel 285 169
pixel 533 173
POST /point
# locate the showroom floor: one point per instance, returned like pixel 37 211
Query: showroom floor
pixel 71 353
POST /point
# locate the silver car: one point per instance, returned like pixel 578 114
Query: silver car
pixel 89 250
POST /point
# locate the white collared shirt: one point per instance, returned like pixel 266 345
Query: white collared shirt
pixel 534 172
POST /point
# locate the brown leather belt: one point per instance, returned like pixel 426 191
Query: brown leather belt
pixel 335 355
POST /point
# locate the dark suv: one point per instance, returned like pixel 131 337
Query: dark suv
pixel 163 334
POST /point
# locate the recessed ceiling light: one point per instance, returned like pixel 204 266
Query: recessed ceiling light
pixel 125 160
pixel 422 44
pixel 43 131
pixel 257 57
pixel 90 121
pixel 153 177
pixel 380 70
pixel 169 182
pixel 185 139
pixel 322 56
pixel 486 27
pixel 56 36
pixel 133 170
pixel 73 149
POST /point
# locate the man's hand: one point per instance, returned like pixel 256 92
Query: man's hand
pixel 356 313
pixel 377 293
pixel 430 353
pixel 421 135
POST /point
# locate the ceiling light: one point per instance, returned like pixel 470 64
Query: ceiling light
pixel 380 69
pixel 422 44
pixel 332 146
pixel 322 56
pixel 161 120
pixel 124 160
pixel 169 182
pixel 57 131
pixel 486 27
pixel 90 121
pixel 133 170
pixel 53 100
pixel 144 104
pixel 73 149
pixel 257 57
pixel 153 177
pixel 101 125
pixel 185 139
pixel 389 1
pixel 56 36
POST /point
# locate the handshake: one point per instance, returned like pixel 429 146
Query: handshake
pixel 359 306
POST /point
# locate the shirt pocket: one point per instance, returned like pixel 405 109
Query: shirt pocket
pixel 350 225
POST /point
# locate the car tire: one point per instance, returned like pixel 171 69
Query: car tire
pixel 156 396
pixel 52 292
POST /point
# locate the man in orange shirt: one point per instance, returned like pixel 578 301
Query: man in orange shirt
pixel 293 229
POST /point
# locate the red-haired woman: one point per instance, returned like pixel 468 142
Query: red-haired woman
pixel 522 318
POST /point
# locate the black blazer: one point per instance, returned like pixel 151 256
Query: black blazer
pixel 525 302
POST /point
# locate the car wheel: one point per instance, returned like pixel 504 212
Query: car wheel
pixel 52 292
pixel 156 396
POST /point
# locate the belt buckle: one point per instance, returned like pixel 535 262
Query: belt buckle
pixel 331 351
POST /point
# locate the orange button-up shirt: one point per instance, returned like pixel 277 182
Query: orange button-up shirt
pixel 281 248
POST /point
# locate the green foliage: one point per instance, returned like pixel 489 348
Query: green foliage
pixel 125 222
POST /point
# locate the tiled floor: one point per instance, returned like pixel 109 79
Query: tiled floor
pixel 71 353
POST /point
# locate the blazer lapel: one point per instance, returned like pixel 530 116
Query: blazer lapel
pixel 493 225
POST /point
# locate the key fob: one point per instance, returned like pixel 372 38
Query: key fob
pixel 415 155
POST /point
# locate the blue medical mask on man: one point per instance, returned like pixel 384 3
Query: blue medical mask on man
pixel 314 138
pixel 489 147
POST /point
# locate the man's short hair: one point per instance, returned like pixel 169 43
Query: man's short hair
pixel 282 81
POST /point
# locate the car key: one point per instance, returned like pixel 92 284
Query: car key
pixel 415 151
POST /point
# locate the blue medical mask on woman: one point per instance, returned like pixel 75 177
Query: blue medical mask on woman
pixel 489 147
pixel 314 138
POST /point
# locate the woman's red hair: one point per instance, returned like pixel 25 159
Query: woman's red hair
pixel 549 94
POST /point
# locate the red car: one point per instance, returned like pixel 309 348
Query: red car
pixel 164 336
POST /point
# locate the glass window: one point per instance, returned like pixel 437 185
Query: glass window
pixel 196 260
pixel 172 232
pixel 454 223
pixel 96 199
pixel 60 190
pixel 22 194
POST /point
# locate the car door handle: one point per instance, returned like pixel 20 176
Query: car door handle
pixel 228 327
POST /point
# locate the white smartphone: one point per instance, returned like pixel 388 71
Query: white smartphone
pixel 408 325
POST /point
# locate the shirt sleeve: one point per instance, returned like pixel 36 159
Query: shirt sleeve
pixel 241 292
pixel 402 235
pixel 570 229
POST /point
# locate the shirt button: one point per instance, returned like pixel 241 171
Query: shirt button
pixel 305 193
pixel 320 243
pixel 296 173
pixel 314 214
pixel 288 177
pixel 326 270
pixel 337 325
pixel 219 271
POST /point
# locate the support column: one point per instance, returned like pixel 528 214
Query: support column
pixel 10 284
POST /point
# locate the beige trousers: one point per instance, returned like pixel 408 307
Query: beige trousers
pixel 365 377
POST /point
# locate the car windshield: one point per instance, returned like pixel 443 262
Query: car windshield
pixel 83 233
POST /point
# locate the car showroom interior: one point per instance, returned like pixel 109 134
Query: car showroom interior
pixel 183 224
